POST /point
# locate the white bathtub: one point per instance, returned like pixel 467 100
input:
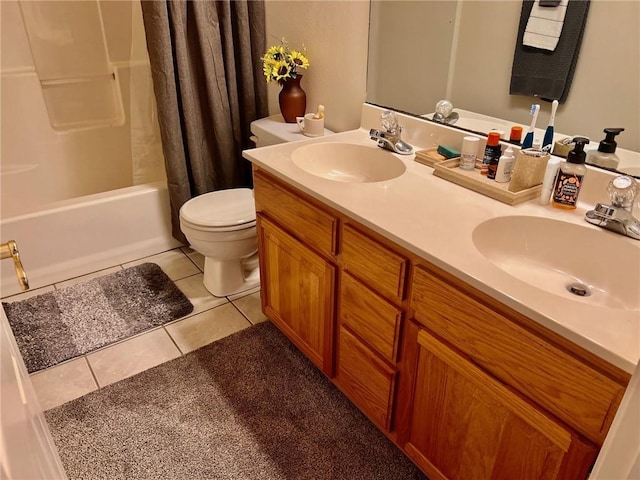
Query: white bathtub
pixel 79 236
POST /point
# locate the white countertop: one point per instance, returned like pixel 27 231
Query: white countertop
pixel 435 219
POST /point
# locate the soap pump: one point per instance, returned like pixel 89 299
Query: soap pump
pixel 605 156
pixel 569 178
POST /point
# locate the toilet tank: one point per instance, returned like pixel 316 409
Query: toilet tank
pixel 273 130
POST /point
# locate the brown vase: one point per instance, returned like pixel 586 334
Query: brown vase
pixel 293 100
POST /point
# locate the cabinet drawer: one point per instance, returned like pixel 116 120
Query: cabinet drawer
pixel 365 379
pixel 369 316
pixel 378 266
pixel 581 396
pixel 308 223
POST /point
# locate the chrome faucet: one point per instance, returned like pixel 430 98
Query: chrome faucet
pixel 617 217
pixel 389 137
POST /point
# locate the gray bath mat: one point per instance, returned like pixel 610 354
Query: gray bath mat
pixel 64 324
pixel 249 406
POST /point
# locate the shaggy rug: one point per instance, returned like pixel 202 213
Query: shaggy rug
pixel 66 323
pixel 249 406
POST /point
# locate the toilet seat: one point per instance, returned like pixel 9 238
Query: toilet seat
pixel 222 210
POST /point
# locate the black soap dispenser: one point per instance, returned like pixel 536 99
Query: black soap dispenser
pixel 605 155
pixel 570 175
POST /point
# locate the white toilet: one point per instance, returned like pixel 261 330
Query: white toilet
pixel 221 225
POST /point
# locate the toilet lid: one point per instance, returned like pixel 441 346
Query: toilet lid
pixel 221 208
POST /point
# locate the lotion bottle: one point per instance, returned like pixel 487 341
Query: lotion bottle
pixel 569 178
pixel 505 166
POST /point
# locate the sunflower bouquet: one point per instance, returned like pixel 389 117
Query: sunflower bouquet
pixel 281 63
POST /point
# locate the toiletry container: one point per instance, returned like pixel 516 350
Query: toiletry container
pixel 505 166
pixel 221 225
pixel 570 177
pixel 549 179
pixel 516 134
pixel 605 155
pixel 469 153
pixel 492 152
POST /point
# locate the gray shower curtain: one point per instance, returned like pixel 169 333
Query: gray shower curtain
pixel 209 87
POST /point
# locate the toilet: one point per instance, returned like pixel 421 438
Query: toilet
pixel 221 225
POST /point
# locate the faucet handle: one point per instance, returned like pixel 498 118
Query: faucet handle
pixel 622 191
pixel 389 122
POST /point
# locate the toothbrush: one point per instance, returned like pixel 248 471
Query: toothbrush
pixel 320 113
pixel 547 143
pixel 528 139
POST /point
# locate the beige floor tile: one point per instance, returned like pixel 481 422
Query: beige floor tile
pixel 195 257
pixel 86 278
pixel 174 263
pixel 194 290
pixel 63 383
pixel 132 356
pixel 204 328
pixel 251 308
pixel 251 291
pixel 28 294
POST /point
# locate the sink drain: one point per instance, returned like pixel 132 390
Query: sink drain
pixel 579 289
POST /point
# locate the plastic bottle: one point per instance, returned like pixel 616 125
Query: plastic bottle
pixel 469 153
pixel 492 152
pixel 570 175
pixel 605 155
pixel 505 166
pixel 516 134
pixel 549 179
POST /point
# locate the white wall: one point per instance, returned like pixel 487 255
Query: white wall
pixel 40 164
pixel 335 34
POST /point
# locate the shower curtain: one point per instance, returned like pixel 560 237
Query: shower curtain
pixel 209 87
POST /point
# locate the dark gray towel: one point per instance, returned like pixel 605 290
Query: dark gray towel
pixel 546 74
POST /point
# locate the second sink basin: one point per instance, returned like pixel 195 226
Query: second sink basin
pixel 565 259
pixel 347 162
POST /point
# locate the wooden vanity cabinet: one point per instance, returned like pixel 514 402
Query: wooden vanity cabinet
pixel 296 241
pixel 495 396
pixel 372 288
pixel 298 296
pixel 465 386
pixel 466 424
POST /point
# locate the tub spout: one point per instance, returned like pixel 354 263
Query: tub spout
pixel 10 250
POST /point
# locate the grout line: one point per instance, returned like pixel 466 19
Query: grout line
pixel 242 313
pixel 173 340
pixel 191 259
pixel 93 374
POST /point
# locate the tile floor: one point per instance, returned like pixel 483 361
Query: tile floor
pixel 212 318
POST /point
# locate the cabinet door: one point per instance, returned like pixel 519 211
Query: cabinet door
pixel 466 425
pixel 297 292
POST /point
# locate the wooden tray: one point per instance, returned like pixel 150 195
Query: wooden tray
pixel 429 157
pixel 471 179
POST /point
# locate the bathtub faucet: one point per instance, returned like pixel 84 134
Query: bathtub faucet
pixel 10 250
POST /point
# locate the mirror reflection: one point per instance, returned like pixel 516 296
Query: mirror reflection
pixel 425 51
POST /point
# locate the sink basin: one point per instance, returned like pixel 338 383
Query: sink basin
pixel 569 260
pixel 347 162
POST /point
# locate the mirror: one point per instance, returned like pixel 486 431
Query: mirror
pixel 423 51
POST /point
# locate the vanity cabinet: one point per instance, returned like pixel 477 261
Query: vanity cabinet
pixel 296 241
pixel 466 386
pixel 372 288
pixel 495 396
pixel 466 424
pixel 298 297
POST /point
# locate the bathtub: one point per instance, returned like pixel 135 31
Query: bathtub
pixel 88 233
